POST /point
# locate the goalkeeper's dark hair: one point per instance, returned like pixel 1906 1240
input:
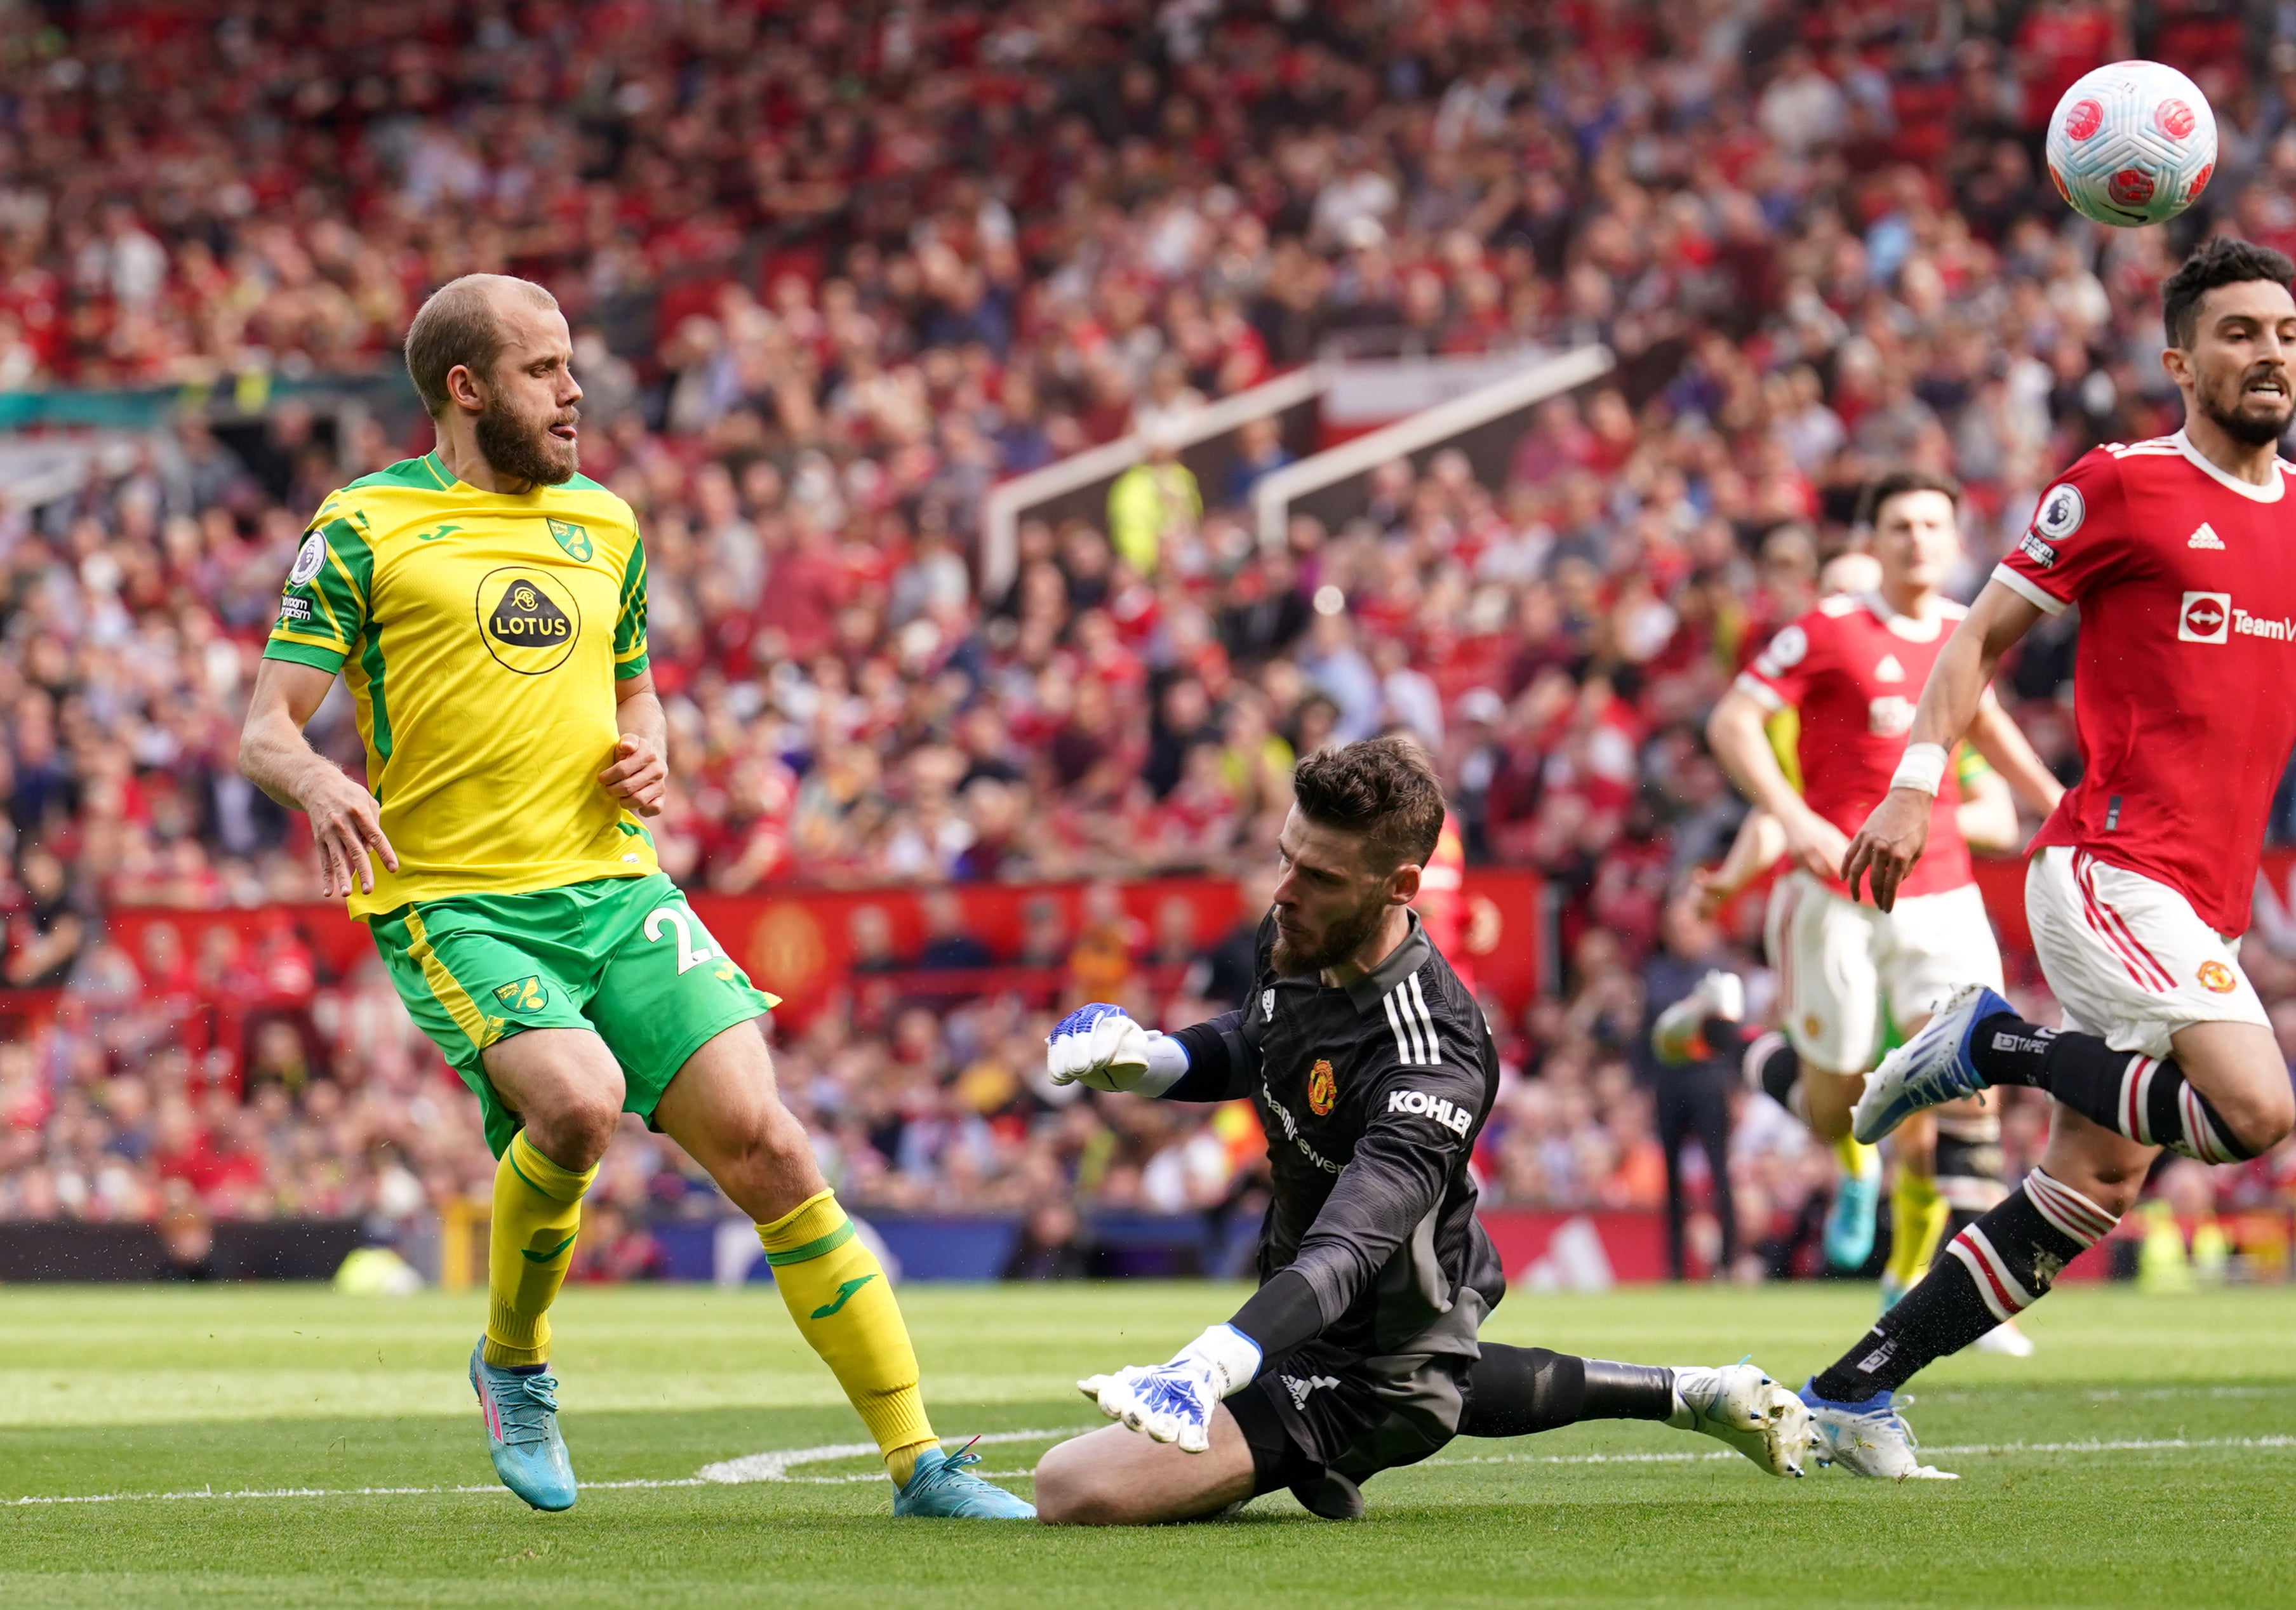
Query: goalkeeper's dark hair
pixel 457 326
pixel 1898 483
pixel 2221 260
pixel 1382 788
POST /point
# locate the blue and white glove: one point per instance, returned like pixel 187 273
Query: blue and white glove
pixel 1173 1403
pixel 1100 1045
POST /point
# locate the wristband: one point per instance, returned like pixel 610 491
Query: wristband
pixel 1227 1355
pixel 1922 767
pixel 1168 1065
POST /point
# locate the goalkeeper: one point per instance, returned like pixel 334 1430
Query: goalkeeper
pixel 1372 1072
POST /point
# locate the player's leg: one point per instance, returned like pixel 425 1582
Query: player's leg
pixel 1917 1213
pixel 2184 1056
pixel 2000 1265
pixel 1116 1477
pixel 1934 944
pixel 1825 949
pixel 724 1110
pixel 682 1016
pixel 478 975
pixel 567 1089
pixel 1522 1391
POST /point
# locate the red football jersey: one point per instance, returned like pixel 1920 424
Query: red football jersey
pixel 2186 583
pixel 1853 669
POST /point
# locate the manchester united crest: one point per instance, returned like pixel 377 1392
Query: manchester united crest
pixel 1322 1088
pixel 2217 976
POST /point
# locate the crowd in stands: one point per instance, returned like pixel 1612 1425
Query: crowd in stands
pixel 836 271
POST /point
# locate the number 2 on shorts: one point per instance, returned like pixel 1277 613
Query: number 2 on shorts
pixel 688 954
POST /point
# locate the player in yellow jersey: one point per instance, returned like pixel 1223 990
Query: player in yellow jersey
pixel 486 605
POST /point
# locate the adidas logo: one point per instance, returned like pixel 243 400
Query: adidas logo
pixel 2205 537
pixel 1889 670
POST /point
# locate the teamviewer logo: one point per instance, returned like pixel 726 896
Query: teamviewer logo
pixel 2204 618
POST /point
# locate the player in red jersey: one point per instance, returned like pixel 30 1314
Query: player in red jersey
pixel 2181 554
pixel 1850 668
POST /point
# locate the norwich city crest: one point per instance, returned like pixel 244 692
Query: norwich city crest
pixel 575 539
pixel 527 618
pixel 525 996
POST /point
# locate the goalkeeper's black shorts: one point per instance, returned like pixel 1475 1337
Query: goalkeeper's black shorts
pixel 1324 1408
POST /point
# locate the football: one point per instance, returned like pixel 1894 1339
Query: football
pixel 2132 144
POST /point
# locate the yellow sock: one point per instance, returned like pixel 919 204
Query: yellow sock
pixel 835 1290
pixel 1858 1160
pixel 538 1209
pixel 1918 1221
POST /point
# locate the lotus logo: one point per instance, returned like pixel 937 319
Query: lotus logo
pixel 2083 121
pixel 2204 617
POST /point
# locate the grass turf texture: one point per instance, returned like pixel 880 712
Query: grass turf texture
pixel 133 1391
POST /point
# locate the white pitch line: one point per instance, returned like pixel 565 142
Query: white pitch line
pixel 774 1467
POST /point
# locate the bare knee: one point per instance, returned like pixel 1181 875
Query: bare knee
pixel 766 1164
pixel 574 1130
pixel 2260 1118
pixel 1073 1489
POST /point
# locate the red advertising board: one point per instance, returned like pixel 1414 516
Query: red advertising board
pixel 797 942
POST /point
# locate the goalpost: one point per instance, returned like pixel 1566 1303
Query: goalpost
pixel 1483 421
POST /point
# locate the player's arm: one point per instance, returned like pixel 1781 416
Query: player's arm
pixel 1897 831
pixel 1101 1046
pixel 639 773
pixel 1987 816
pixel 1395 1180
pixel 2009 753
pixel 1761 841
pixel 345 822
pixel 1735 733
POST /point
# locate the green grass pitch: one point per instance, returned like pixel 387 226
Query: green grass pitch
pixel 2147 1456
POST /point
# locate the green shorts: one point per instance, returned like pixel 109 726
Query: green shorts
pixel 624 956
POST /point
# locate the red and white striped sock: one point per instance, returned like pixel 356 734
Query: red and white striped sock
pixel 2147 1098
pixel 1992 1272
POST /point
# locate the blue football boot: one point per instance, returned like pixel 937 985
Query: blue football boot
pixel 941 1487
pixel 521 1414
pixel 1928 1070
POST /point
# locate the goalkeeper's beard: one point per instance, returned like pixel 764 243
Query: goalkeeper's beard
pixel 1342 938
pixel 523 452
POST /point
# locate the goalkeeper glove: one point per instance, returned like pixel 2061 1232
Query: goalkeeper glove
pixel 1100 1045
pixel 1173 1403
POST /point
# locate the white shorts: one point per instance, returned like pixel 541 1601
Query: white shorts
pixel 1842 965
pixel 2128 958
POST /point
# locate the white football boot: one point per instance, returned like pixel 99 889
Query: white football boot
pixel 1869 1439
pixel 1741 1407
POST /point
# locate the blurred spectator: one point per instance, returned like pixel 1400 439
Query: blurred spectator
pixel 1051 1245
pixel 613 1250
pixel 1693 1101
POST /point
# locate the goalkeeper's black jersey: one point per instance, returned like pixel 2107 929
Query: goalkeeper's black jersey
pixel 1372 1097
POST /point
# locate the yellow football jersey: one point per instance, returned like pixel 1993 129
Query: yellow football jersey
pixel 482 635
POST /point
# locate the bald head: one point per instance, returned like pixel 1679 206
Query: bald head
pixel 462 326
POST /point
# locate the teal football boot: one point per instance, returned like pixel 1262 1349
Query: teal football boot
pixel 942 1487
pixel 521 1415
pixel 1849 1221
